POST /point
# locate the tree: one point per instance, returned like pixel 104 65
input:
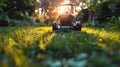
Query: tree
pixel 107 10
pixel 19 6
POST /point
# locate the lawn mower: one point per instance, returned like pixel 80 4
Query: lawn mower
pixel 66 18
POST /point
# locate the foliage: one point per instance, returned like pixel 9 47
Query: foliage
pixel 45 4
pixel 106 10
pixel 83 15
pixel 17 7
pixel 26 16
pixel 18 10
pixel 2 5
pixel 37 16
pixel 114 23
pixel 39 46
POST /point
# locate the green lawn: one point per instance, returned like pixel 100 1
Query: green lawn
pixel 42 47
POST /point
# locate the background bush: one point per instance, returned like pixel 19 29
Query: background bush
pixel 21 10
pixel 106 10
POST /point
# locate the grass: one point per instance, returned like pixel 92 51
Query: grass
pixel 42 47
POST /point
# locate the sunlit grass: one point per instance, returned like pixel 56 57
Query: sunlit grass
pixel 104 38
pixel 41 47
pixel 15 41
pixel 103 33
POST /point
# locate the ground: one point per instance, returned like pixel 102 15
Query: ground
pixel 42 47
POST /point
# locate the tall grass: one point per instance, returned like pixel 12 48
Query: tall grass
pixel 17 43
pixel 42 47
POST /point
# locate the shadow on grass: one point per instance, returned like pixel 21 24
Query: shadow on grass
pixel 74 41
pixel 100 50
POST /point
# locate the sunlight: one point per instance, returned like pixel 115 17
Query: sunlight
pixel 8 47
pixel 17 60
pixel 66 2
pixel 11 42
pixel 71 8
pixel 101 45
pixel 64 9
pixel 78 8
pixel 45 41
pixel 103 34
pixel 42 45
pixel 25 38
pixel 82 6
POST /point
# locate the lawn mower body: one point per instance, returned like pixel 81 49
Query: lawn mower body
pixel 67 20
